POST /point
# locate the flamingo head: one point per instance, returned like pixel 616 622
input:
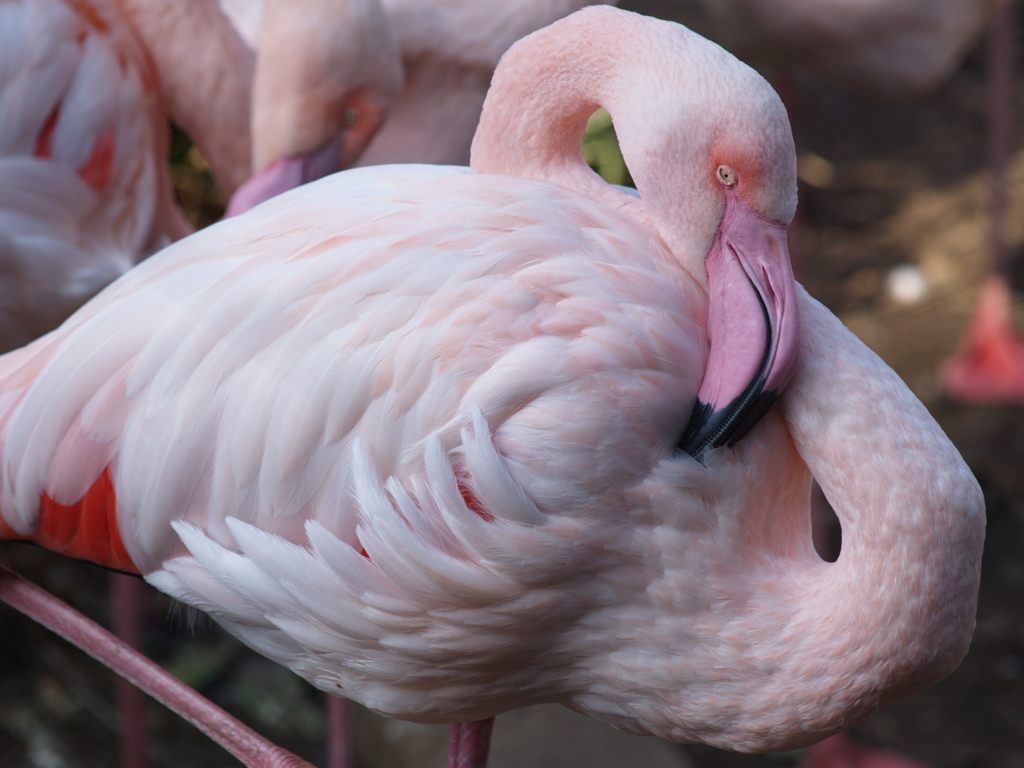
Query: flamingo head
pixel 736 198
pixel 326 74
pixel 753 324
pixel 709 146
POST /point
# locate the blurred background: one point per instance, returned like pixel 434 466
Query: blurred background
pixel 894 241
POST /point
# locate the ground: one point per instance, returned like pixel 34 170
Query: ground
pixel 892 187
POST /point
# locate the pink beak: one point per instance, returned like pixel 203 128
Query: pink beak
pixel 753 328
pixel 286 174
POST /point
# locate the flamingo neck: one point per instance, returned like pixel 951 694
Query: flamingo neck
pixel 902 596
pixel 743 637
pixel 205 75
pixel 665 88
pixel 541 97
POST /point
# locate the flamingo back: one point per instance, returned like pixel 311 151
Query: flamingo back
pixel 381 323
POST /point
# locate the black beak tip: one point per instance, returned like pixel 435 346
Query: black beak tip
pixel 709 429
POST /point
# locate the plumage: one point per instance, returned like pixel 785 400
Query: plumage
pixel 83 144
pixel 412 430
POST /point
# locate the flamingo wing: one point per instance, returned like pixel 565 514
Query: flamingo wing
pixel 231 375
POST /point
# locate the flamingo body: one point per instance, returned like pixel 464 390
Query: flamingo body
pixel 83 144
pixel 415 431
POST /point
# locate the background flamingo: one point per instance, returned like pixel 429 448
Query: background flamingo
pixel 989 366
pixel 446 497
pixel 84 143
pixel 83 146
pixel 321 76
pixel 449 51
pixel 84 140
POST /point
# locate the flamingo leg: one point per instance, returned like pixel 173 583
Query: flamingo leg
pixel 338 754
pixel 238 739
pixel 470 744
pixel 127 597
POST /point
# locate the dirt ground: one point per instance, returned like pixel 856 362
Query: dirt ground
pixel 893 187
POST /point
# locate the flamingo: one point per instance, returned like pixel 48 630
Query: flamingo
pixel 83 142
pixel 320 76
pixel 989 365
pixel 453 441
pixel 449 51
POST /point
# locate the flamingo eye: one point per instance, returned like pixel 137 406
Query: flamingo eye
pixel 727 175
pixel 350 117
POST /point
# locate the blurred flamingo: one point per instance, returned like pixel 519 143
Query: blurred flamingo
pixel 83 135
pixel 455 441
pixel 449 50
pixel 287 97
pixel 989 366
pixel 83 145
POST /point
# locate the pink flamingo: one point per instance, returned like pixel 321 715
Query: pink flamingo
pixel 83 142
pixel 83 146
pixel 320 77
pixel 455 441
pixel 989 366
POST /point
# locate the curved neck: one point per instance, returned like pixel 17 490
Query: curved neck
pixel 772 648
pixel 538 105
pixel 905 586
pixel 662 86
pixel 205 72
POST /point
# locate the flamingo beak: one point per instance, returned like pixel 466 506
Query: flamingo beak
pixel 753 328
pixel 287 174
